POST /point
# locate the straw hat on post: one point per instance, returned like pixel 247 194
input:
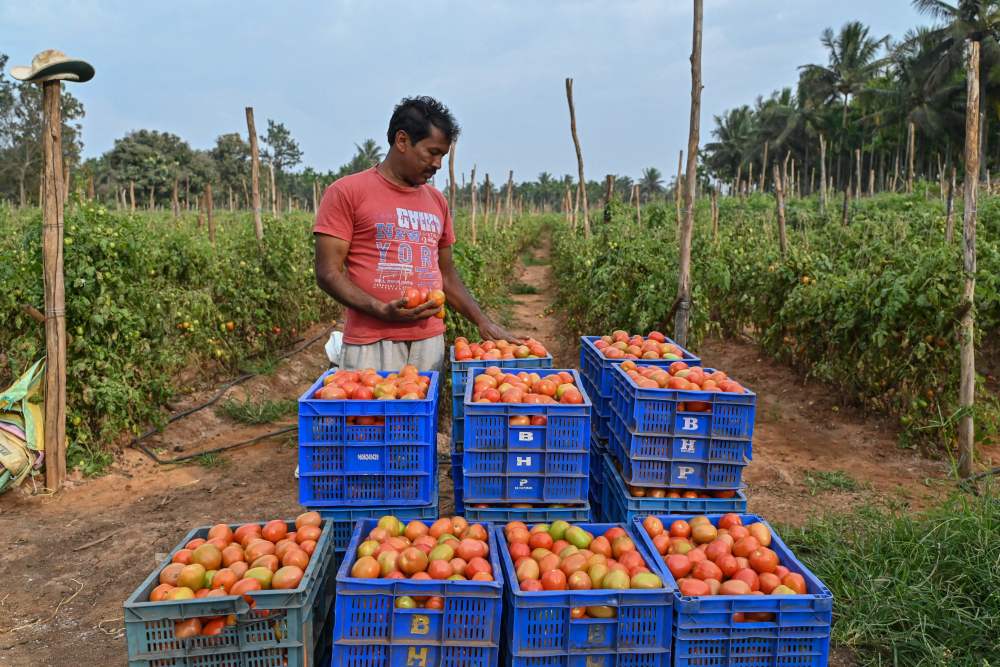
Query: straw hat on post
pixel 53 65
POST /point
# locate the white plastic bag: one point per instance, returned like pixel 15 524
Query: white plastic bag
pixel 333 347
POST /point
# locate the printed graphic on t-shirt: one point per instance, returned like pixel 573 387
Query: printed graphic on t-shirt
pixel 407 249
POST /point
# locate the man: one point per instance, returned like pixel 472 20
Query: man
pixel 392 232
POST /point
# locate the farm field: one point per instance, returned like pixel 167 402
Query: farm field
pixel 307 358
pixel 817 455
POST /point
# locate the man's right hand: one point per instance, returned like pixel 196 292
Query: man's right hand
pixel 396 311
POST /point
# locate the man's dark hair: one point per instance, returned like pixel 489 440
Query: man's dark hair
pixel 415 115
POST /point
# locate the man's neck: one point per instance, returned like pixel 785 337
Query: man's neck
pixel 386 168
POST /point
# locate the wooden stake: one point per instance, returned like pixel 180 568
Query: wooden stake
pixel 55 295
pixel 694 126
pixel 579 157
pixel 911 144
pixel 131 194
pixel 609 191
pixel 451 178
pixel 175 205
pixel 487 201
pixel 90 187
pixel 274 192
pixel 763 168
pixel 715 215
pixel 750 182
pixel 638 206
pixel 208 213
pixel 258 221
pixel 510 194
pixel 822 174
pixel 472 194
pixel 967 326
pixel 845 212
pixel 738 186
pixel 949 219
pixel 315 196
pixel 779 197
pixel 857 161
pixel 677 189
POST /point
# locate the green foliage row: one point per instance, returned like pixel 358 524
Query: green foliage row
pixel 148 297
pixel 916 590
pixel 869 308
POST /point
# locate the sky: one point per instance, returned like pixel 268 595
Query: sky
pixel 331 71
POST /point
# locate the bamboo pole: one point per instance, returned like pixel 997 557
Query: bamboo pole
pixel 779 198
pixel 949 220
pixel 694 126
pixel 911 144
pixel 967 326
pixel 472 196
pixel 510 201
pixel 871 182
pixel 175 204
pixel 54 286
pixel 208 213
pixel 451 178
pixel 822 173
pixel 579 157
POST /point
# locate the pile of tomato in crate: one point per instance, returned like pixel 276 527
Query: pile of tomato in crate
pixel 367 446
pixel 520 431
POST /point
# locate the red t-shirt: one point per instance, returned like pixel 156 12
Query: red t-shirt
pixel 395 233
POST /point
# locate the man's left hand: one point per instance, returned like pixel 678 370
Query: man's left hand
pixel 490 330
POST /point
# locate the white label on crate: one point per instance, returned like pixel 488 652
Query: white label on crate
pixel 523 484
pixel 687 446
pixel 525 436
pixel 690 424
pixel 684 471
pixel 522 461
pixel 368 457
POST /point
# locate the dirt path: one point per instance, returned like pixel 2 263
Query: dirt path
pixel 57 592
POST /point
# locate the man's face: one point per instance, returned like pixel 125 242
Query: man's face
pixel 422 160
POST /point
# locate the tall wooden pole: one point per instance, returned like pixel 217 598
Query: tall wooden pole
pixel 857 161
pixel 967 325
pixel 609 191
pixel 638 206
pixel 131 194
pixel 822 173
pixel 274 191
pixel 510 200
pixel 487 201
pixel 949 220
pixel 911 144
pixel 694 129
pixel 258 221
pixel 472 194
pixel 579 157
pixel 763 168
pixel 55 296
pixel 208 213
pixel 845 217
pixel 175 204
pixel 779 198
pixel 451 178
pixel 715 214
pixel 678 217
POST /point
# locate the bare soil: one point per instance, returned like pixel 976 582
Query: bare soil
pixel 61 593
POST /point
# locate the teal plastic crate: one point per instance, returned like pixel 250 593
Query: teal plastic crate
pixel 283 630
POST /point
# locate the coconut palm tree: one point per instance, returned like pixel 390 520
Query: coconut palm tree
pixel 651 182
pixel 734 134
pixel 369 152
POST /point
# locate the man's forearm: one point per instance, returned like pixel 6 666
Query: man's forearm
pixel 340 287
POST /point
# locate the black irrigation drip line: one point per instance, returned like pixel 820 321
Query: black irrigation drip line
pixel 138 442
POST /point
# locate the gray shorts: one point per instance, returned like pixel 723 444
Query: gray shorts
pixel 388 355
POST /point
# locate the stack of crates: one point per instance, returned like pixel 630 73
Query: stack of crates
pixel 366 459
pixel 714 629
pixel 370 629
pixel 531 473
pixel 284 627
pixel 598 380
pixel 659 442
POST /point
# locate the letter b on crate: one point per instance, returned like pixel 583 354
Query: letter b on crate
pixel 690 424
pixel 420 624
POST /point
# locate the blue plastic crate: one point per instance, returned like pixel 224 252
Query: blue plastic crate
pixel 520 464
pixel 704 626
pixel 680 447
pixel 659 411
pixel 529 515
pixel 460 369
pixel 370 631
pixel 538 625
pixel 283 629
pixel 596 469
pixel 597 368
pixel 342 464
pixel 680 474
pixel 619 505
pixel 602 410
